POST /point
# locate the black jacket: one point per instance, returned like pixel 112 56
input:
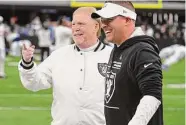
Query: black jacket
pixel 134 70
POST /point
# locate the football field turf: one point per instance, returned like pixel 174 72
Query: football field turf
pixel 19 106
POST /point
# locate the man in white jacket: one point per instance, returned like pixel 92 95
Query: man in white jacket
pixel 75 72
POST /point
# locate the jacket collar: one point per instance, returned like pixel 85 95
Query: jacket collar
pixel 137 32
pixel 99 47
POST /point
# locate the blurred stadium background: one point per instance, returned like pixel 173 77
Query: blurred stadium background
pixel 164 20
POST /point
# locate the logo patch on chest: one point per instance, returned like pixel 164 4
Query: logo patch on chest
pixel 102 68
pixel 110 86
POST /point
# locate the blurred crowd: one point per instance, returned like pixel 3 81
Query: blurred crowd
pixel 169 33
pixel 48 35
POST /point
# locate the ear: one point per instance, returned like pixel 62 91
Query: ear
pixel 97 26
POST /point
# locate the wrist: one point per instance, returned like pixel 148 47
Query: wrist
pixel 27 65
pixel 27 62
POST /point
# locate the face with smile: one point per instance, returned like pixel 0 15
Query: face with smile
pixel 114 28
pixel 84 28
pixel 118 20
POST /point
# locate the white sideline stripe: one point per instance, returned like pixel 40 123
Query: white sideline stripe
pixel 48 108
pixel 26 108
pixel 50 95
pixel 12 63
pixel 167 86
pixel 25 95
pixel 174 96
pixel 176 86
pixel 174 109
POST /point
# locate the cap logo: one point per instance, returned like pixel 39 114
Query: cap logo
pixel 104 5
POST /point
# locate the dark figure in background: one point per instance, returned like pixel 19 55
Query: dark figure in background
pixel 44 40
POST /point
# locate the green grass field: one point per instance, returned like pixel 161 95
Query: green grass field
pixel 19 106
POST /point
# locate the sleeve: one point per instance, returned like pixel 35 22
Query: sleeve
pixel 145 110
pixel 148 73
pixel 35 77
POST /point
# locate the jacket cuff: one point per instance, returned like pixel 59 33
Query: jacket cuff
pixel 27 65
pixel 27 62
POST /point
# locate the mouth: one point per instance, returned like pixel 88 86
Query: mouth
pixel 78 35
pixel 107 32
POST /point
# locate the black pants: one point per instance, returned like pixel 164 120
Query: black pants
pixel 43 50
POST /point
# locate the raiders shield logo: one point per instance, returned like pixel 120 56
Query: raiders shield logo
pixel 110 86
pixel 102 68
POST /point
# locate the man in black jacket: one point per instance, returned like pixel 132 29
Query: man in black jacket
pixel 133 93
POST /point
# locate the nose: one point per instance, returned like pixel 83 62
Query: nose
pixel 75 28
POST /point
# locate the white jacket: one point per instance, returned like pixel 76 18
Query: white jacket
pixel 78 86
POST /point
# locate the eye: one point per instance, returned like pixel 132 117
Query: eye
pixel 107 20
pixel 80 23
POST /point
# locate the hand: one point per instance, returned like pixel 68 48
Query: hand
pixel 28 52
